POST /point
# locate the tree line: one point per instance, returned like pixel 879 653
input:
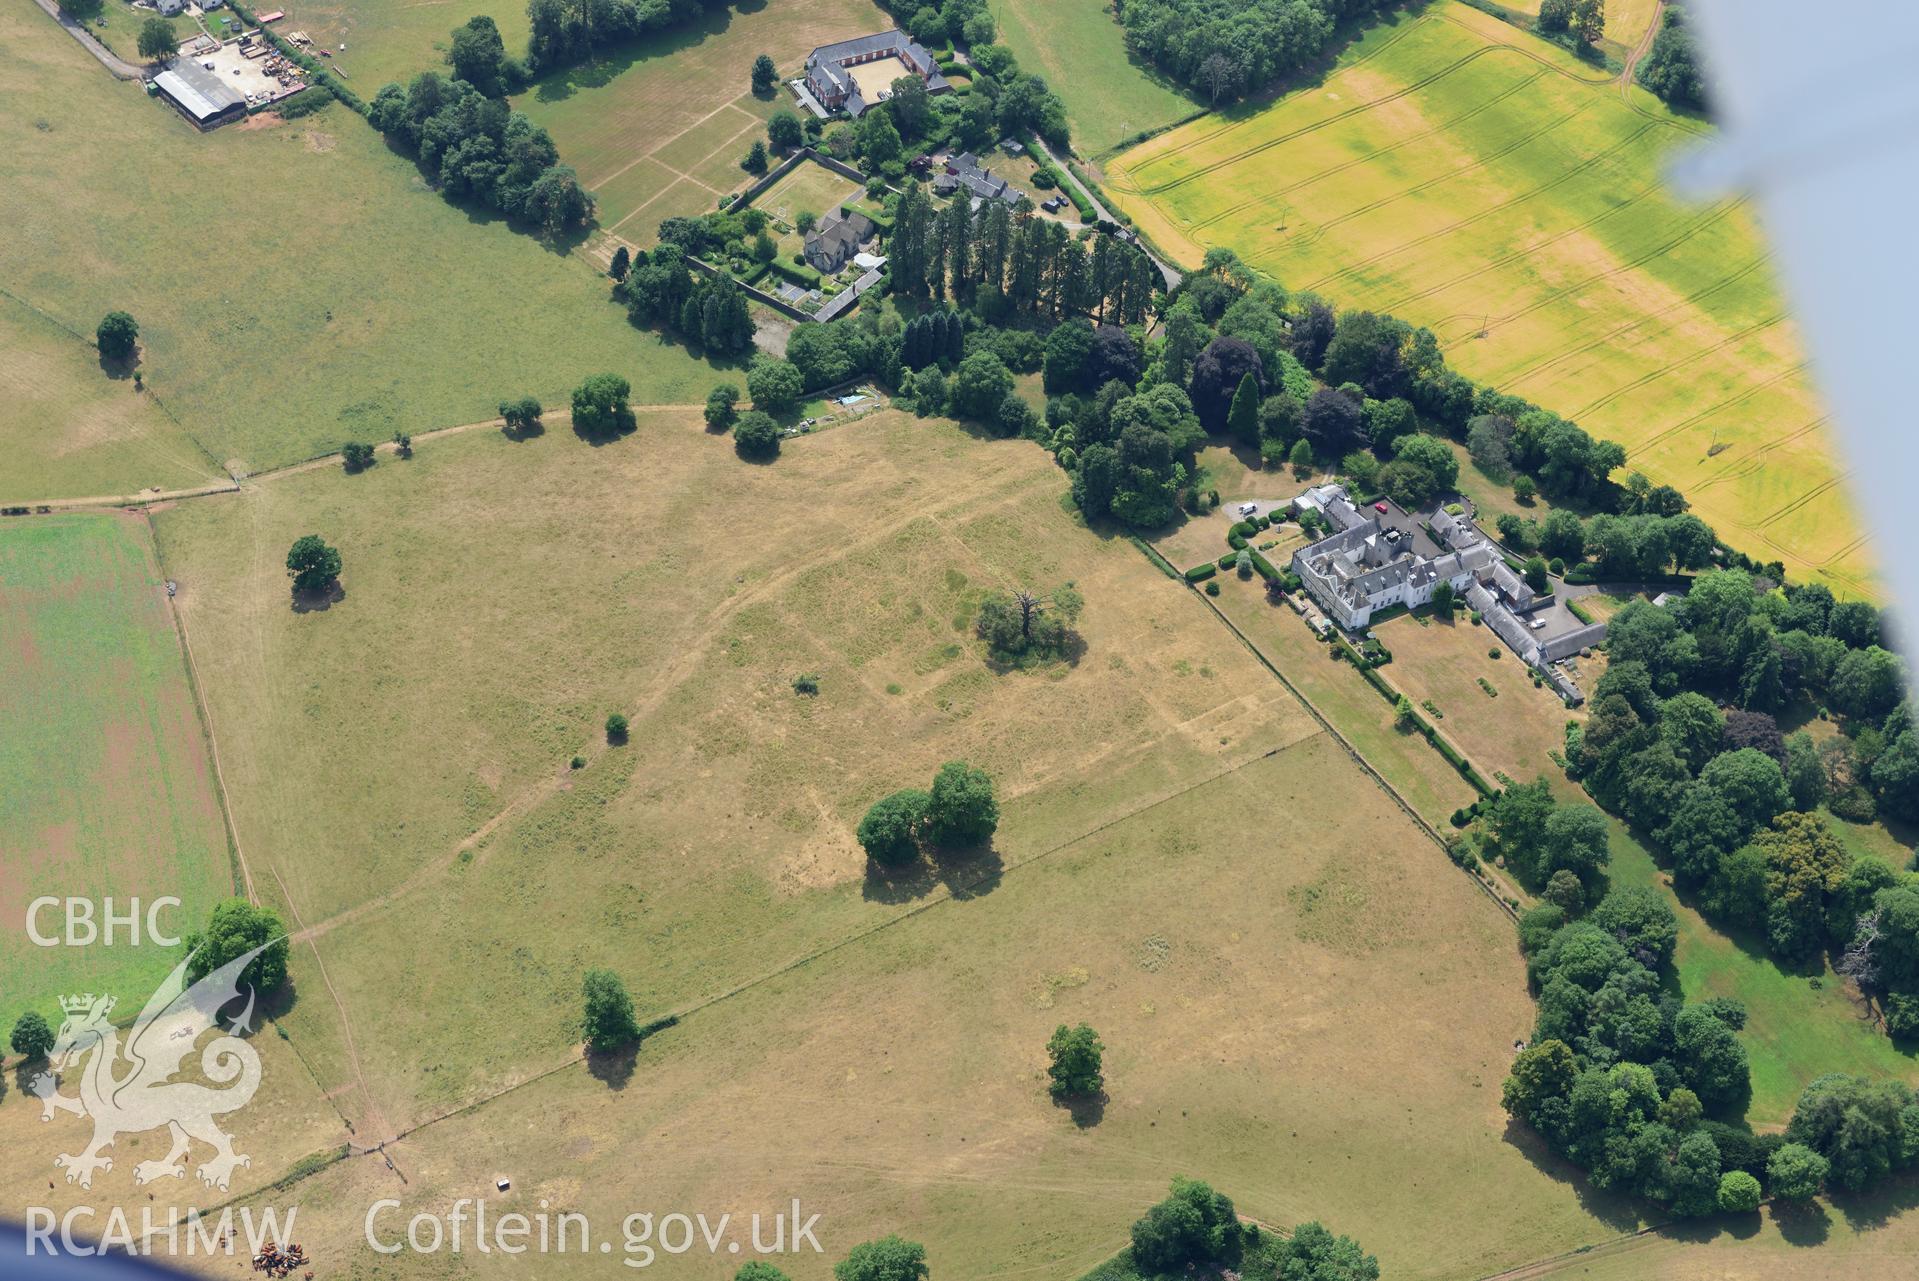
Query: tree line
pixel 1227 49
pixel 474 147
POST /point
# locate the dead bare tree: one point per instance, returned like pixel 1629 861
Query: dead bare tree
pixel 1861 961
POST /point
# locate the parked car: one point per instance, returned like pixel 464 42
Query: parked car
pixel 1539 624
pixel 1380 508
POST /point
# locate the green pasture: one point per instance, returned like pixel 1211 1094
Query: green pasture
pixel 1080 50
pixel 105 785
pixel 346 301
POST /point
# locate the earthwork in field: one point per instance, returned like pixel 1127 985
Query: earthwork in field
pixel 1233 965
pixel 1467 177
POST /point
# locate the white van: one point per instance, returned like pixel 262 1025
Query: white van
pixel 1249 509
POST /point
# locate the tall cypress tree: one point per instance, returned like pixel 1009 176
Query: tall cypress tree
pixel 1242 419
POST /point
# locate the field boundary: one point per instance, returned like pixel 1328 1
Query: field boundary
pixel 1432 833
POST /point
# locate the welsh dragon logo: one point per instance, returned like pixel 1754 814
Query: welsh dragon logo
pixel 129 1090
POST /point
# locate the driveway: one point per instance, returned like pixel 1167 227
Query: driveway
pixel 122 70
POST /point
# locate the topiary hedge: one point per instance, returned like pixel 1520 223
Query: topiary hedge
pixel 1199 573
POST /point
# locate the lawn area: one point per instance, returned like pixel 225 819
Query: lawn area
pixel 810 188
pixel 1080 50
pixel 1468 177
pixel 657 128
pixel 1257 953
pixel 1795 1030
pixel 362 304
pixel 1433 788
pixel 1445 661
pixel 77 429
pixel 105 785
pixel 687 590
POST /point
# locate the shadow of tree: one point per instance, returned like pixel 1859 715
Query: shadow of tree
pixel 897 885
pixel 1620 1213
pixel 318 601
pixel 970 873
pixel 1802 1225
pixel 1087 1110
pixel 613 1068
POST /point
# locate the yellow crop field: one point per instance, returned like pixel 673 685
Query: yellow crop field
pixel 1465 176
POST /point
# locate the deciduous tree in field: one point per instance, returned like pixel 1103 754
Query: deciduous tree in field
pixel 962 810
pixel 622 261
pixel 783 130
pixel 31 1036
pixel 522 416
pixel 1075 1056
pixel 356 455
pixel 313 564
pixel 756 436
pixel 235 928
pixel 600 406
pixel 890 831
pixel 888 1259
pixel 721 411
pixel 117 334
pixel 609 1020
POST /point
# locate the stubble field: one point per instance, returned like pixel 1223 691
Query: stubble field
pixel 1463 175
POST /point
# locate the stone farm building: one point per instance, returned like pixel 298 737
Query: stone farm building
pixel 834 76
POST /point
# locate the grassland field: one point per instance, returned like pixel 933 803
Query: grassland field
pixel 1233 963
pixel 105 784
pixel 343 300
pixel 1473 179
pixel 657 128
pixel 76 428
pixel 1079 48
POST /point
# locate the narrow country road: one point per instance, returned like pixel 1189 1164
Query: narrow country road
pixel 122 70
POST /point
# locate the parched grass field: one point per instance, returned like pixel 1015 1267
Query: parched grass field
pixel 344 301
pixel 657 128
pixel 1185 859
pixel 72 428
pixel 105 784
pixel 1256 988
pixel 1468 177
pixel 1080 50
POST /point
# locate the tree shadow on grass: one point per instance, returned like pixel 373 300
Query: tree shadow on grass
pixel 613 1068
pixel 1620 1213
pixel 1865 1211
pixel 970 873
pixel 897 885
pixel 1087 1110
pixel 1802 1225
pixel 120 368
pixel 319 601
pixel 533 431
